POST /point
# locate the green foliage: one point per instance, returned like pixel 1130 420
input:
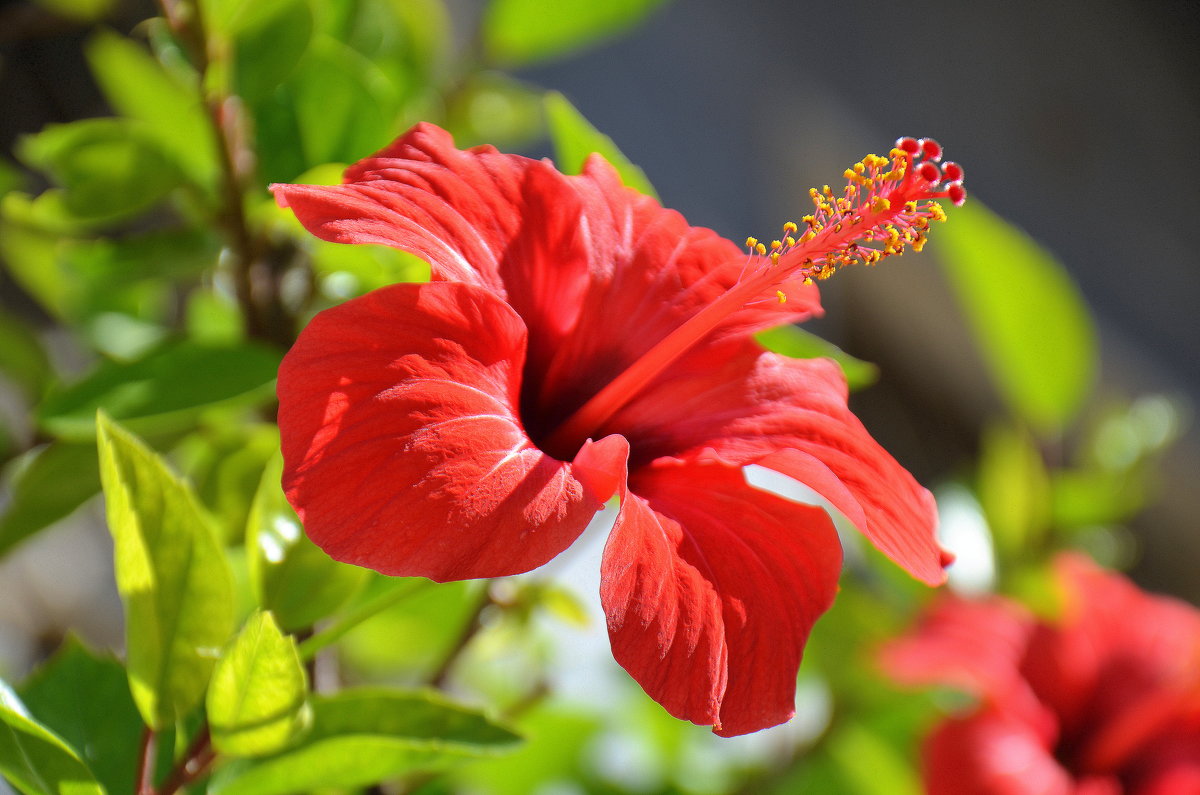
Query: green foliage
pixel 34 759
pixel 1028 318
pixel 520 31
pixel 163 392
pixel 173 579
pixel 797 343
pixel 575 138
pixel 45 485
pixel 361 737
pixel 257 702
pixel 291 577
pixel 84 698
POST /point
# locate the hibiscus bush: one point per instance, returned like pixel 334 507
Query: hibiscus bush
pixel 431 467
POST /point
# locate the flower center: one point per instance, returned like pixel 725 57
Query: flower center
pixel 887 204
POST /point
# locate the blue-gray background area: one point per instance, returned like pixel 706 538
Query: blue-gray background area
pixel 1076 120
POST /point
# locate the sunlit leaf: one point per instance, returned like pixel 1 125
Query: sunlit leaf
pixel 797 343
pixel 865 760
pixel 361 737
pixel 556 740
pixel 34 759
pixel 291 576
pixel 575 138
pixel 82 10
pixel 44 485
pixel 1031 324
pixel 257 702
pixel 268 39
pixel 494 108
pixel 172 576
pixel 139 88
pixel 164 391
pixel 84 698
pixel 519 31
pixel 1013 489
pixel 110 169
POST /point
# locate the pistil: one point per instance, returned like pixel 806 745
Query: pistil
pixel 887 204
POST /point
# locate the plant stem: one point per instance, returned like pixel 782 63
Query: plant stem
pixel 335 630
pixel 194 764
pixel 470 629
pixel 146 758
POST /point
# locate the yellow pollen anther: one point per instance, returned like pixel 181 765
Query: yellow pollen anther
pixel 789 241
pixel 936 211
pixel 775 258
pixel 781 296
pixel 751 242
pixel 910 207
pixel 807 236
pixel 880 205
pixel 790 227
pixel 776 245
pixel 760 249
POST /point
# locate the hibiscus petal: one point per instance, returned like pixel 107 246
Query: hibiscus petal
pixel 748 406
pixel 402 447
pixel 711 587
pixel 990 753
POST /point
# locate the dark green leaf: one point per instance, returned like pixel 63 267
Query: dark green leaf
pixel 34 759
pixel 84 698
pixel 1030 322
pixel 797 343
pixel 164 391
pixel 575 138
pixel 291 576
pixel 45 485
pixel 519 31
pixel 257 702
pixel 366 736
pixel 22 358
pixel 110 169
pixel 172 576
pixel 269 37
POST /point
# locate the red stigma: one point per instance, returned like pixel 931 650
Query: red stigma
pixel 931 148
pixel 956 193
pixel 929 172
pixel 910 145
pixel 952 171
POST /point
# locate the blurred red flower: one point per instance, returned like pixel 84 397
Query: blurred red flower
pixel 1105 700
pixel 579 341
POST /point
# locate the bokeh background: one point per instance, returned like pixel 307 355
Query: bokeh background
pixel 1075 121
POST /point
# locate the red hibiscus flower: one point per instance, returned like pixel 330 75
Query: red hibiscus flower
pixel 579 341
pixel 1104 701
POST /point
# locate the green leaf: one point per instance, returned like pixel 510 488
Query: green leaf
pixel 35 760
pixel 1031 324
pixel 138 87
pixel 865 759
pixel 557 740
pixel 257 702
pixel 575 138
pixel 520 31
pixel 45 485
pixel 172 576
pixel 110 169
pixel 269 37
pixel 164 391
pixel 290 575
pixel 84 698
pixel 82 10
pixel 23 360
pixel 797 343
pixel 361 737
pixel 1014 489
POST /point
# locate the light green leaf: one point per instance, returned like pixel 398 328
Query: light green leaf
pixel 34 759
pixel 865 760
pixel 575 138
pixel 520 31
pixel 164 391
pixel 23 360
pixel 361 737
pixel 84 698
pixel 1014 489
pixel 110 169
pixel 45 485
pixel 172 576
pixel 1031 324
pixel 797 343
pixel 138 87
pixel 268 37
pixel 291 576
pixel 257 702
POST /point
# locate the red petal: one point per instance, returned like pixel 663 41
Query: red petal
pixel 749 406
pixel 402 447
pixel 990 753
pixel 711 587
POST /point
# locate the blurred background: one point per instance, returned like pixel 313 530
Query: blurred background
pixel 1075 121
